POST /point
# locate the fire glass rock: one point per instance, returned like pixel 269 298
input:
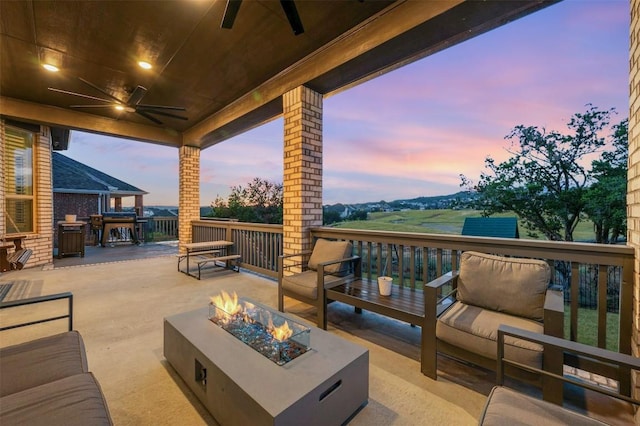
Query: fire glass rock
pixel 276 337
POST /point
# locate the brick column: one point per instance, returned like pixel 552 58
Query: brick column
pixel 3 231
pixel 189 193
pixel 302 197
pixel 633 181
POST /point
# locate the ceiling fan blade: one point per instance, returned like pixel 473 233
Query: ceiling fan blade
pixel 150 107
pixel 166 114
pixel 92 106
pixel 291 11
pixel 230 12
pixel 148 117
pixel 66 92
pixel 137 95
pixel 104 92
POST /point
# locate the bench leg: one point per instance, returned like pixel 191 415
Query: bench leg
pixel 357 310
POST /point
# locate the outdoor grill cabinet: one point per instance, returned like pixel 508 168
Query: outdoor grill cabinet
pixel 71 237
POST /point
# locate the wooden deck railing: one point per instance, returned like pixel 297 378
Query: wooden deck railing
pixel 414 259
pixel 604 272
pixel 258 244
pixel 161 228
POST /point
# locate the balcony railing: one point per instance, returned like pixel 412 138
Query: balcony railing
pixel 161 228
pixel 596 278
pixel 258 244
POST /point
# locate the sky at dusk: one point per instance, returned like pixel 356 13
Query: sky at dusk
pixel 413 131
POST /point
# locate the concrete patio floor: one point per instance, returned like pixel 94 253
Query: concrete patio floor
pixel 119 306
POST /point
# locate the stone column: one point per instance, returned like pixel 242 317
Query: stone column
pixel 302 181
pixel 189 193
pixel 633 181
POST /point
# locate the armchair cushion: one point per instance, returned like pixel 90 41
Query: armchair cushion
pixel 506 407
pixel 325 251
pixel 306 283
pixel 510 285
pixel 476 330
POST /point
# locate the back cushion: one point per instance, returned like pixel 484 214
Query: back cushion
pixel 509 285
pixel 325 250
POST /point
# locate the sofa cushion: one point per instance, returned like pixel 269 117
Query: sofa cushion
pixel 506 407
pixel 305 283
pixel 74 400
pixel 325 251
pixel 510 285
pixel 41 361
pixel 476 330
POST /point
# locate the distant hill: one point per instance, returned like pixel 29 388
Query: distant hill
pixel 457 200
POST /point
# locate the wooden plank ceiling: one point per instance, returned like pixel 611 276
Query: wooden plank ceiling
pixel 227 80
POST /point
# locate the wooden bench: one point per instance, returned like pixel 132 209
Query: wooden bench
pixel 208 252
pixel 202 260
pixel 18 258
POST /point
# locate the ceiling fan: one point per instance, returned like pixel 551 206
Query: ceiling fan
pixel 131 105
pixel 289 7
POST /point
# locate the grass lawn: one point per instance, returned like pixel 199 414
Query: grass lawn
pixel 444 221
pixel 588 327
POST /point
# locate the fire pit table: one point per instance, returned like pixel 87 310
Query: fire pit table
pixel 326 385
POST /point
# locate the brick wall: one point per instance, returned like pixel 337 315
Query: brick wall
pixel 41 241
pixel 189 193
pixel 633 194
pixel 302 195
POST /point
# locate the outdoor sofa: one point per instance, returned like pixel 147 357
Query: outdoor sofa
pixel 47 381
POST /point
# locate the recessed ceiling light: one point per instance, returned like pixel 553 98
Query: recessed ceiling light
pixel 50 67
pixel 144 65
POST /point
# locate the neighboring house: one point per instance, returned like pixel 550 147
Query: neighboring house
pixel 499 227
pixel 82 190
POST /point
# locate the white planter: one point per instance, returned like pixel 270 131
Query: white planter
pixel 384 285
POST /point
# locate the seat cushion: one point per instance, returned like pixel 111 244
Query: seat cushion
pixel 41 361
pixel 325 251
pixel 510 285
pixel 305 283
pixel 476 330
pixel 506 407
pixel 74 400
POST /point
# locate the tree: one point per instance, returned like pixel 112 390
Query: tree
pixel 545 182
pixel 606 199
pixel 259 202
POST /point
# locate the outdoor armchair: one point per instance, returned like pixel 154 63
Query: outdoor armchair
pixel 507 407
pixel 305 276
pixel 488 291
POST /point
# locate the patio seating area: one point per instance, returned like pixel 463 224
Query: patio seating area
pixel 120 317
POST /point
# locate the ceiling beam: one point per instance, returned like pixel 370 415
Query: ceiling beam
pixel 75 120
pixel 391 22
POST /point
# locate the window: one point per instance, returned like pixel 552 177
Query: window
pixel 18 190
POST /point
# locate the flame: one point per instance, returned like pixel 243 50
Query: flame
pixel 280 333
pixel 229 309
pixel 227 305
